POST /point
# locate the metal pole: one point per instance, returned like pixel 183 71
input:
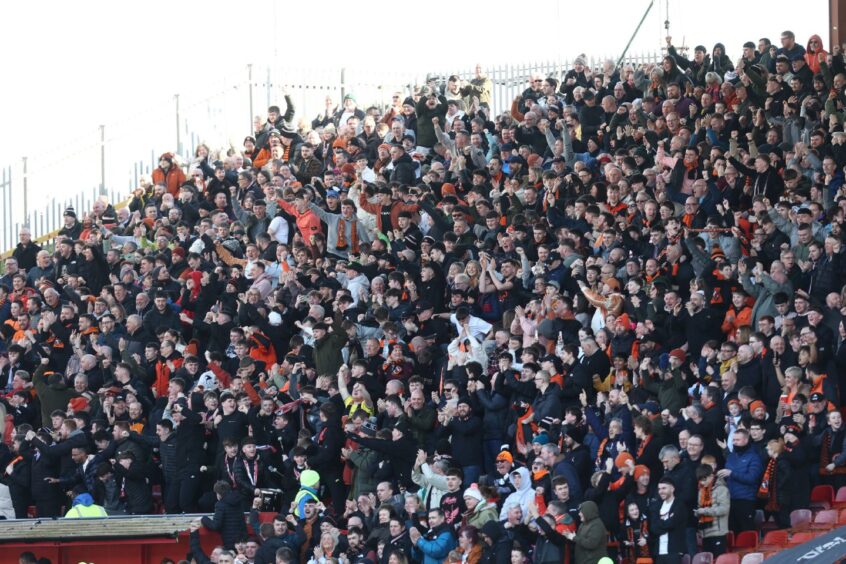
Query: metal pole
pixel 102 159
pixel 646 13
pixel 250 90
pixel 25 194
pixel 268 84
pixel 178 132
pixel 343 84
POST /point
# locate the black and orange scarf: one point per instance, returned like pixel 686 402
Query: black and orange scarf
pixel 767 489
pixel 706 500
pixel 342 236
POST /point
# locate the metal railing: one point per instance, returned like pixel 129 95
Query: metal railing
pixel 111 158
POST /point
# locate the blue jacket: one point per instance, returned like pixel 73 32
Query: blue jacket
pixel 435 545
pixel 746 470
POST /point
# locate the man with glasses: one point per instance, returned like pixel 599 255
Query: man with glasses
pixel 789 47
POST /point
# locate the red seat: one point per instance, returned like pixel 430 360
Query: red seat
pixel 728 558
pixel 730 540
pixel 841 495
pixel 800 518
pixel 752 558
pixel 842 517
pixel 802 537
pixel 746 539
pixel 778 537
pixel 822 497
pixel 703 558
pixel 825 519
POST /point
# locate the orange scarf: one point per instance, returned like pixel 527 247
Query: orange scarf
pixel 643 445
pixel 706 500
pixel 342 236
pixel 520 435
pixel 767 490
pixel 600 451
pixel 827 456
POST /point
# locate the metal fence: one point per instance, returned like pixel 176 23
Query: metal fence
pixel 108 160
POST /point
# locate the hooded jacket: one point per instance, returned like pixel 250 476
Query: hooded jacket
pixel 591 536
pixel 720 64
pixel 811 54
pixel 522 496
pixel 53 393
pixel 499 551
pixel 84 507
pixel 405 170
pixel 173 177
pixel 481 514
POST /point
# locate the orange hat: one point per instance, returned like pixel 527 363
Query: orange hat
pixel 623 459
pixel 679 354
pixel 755 405
pixel 505 455
pixel 614 284
pixel 640 470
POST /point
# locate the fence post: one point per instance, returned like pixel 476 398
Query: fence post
pixel 268 86
pixel 102 159
pixel 178 132
pixel 250 90
pixel 25 193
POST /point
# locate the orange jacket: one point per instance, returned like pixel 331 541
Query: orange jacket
pixel 307 222
pixel 376 209
pixel 173 178
pixel 163 375
pixel 734 320
pixel 812 55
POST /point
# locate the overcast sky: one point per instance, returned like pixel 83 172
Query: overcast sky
pixel 70 66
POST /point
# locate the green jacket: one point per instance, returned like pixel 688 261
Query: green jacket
pixel 591 537
pixel 482 513
pixel 364 462
pixel 422 424
pixel 672 393
pixel 53 393
pixel 327 351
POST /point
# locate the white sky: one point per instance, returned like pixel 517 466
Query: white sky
pixel 70 66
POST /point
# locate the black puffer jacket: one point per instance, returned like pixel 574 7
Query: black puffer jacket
pixel 136 484
pixel 405 171
pixel 494 407
pixel 228 519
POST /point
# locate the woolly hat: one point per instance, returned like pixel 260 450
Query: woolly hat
pixel 679 354
pixel 622 459
pixel 505 455
pixel 473 491
pixel 640 470
pixel 755 405
pixel 309 478
pixel 541 439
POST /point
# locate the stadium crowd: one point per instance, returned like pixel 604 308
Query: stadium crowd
pixel 606 323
